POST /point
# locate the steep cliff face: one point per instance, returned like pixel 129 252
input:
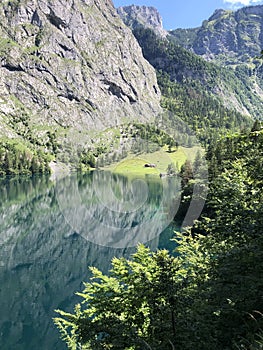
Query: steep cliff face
pixel 70 63
pixel 135 16
pixel 228 35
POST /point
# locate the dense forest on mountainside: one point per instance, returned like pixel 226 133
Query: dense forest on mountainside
pixel 203 94
pixel 205 114
pixel 206 296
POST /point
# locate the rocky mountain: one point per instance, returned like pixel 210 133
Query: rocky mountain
pixel 70 64
pixel 136 16
pixel 215 85
pixel 227 36
pixel 199 91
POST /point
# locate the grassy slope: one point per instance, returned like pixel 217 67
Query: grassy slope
pixel 133 165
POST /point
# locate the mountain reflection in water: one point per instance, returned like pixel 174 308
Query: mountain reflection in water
pixel 52 231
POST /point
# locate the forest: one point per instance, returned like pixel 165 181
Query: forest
pixel 18 159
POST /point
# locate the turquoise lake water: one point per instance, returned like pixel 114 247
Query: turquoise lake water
pixel 51 231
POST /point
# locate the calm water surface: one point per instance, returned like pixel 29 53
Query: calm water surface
pixel 51 231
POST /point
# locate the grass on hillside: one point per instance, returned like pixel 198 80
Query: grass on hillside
pixel 133 165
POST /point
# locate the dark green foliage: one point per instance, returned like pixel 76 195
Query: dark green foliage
pixel 192 175
pixel 87 158
pixel 52 142
pixel 232 223
pixel 152 133
pixel 187 185
pixel 183 37
pixel 186 173
pixel 133 307
pixel 257 126
pixel 16 158
pixel 222 153
pixel 204 113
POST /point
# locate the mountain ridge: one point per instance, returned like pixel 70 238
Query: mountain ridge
pixel 227 36
pixel 237 86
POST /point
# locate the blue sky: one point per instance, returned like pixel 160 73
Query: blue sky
pixel 187 13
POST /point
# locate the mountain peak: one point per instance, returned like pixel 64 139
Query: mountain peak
pixel 146 16
pixel 217 14
pixel 227 36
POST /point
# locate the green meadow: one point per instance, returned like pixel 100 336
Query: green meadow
pixel 134 165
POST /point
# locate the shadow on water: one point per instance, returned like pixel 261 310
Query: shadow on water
pixel 52 231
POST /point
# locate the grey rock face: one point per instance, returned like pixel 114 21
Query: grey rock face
pixel 149 17
pixel 233 34
pixel 72 63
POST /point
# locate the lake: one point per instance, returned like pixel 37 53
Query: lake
pixel 52 230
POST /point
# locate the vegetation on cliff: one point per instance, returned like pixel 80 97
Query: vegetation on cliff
pixel 203 94
pixel 18 159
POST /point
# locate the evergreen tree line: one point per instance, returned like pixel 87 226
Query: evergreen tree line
pixel 205 114
pixel 16 158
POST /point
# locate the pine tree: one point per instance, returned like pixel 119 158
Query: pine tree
pixel 186 173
